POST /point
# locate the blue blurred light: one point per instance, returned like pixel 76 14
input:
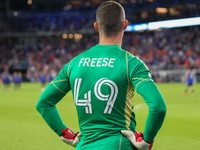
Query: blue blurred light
pixel 164 24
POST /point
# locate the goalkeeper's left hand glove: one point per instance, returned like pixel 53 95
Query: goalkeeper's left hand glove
pixel 137 140
pixel 70 137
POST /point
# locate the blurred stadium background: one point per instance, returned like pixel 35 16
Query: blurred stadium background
pixel 42 35
pixel 37 37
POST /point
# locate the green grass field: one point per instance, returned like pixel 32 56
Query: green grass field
pixel 22 128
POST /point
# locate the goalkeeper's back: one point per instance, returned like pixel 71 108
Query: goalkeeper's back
pixel 100 80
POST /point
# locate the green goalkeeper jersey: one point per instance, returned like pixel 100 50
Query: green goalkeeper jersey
pixel 103 80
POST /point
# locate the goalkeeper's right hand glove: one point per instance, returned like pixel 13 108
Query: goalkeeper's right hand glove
pixel 70 137
pixel 137 140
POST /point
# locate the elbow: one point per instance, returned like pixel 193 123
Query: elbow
pixel 37 106
pixel 159 108
pixel 162 110
pixel 42 105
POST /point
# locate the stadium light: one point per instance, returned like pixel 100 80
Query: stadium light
pixel 80 36
pixel 161 10
pixel 164 24
pixel 64 36
pixel 29 2
pixel 137 27
pixel 174 23
pixel 76 36
pixel 71 36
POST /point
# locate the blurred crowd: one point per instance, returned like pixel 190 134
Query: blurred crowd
pixel 160 50
pixel 73 18
pixel 43 56
pixel 51 54
pixel 46 22
pixel 166 49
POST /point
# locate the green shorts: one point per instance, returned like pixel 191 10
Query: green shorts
pixel 115 142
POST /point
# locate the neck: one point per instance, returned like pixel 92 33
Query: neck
pixel 113 40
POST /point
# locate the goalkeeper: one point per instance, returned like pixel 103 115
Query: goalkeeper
pixel 103 80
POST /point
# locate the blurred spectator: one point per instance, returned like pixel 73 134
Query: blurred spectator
pixel 19 75
pixel 43 79
pixel 6 78
pixel 15 80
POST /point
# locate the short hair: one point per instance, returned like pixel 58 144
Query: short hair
pixel 110 17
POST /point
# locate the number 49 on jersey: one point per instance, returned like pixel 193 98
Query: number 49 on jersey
pixel 86 102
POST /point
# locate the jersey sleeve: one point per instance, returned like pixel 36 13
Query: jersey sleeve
pixel 142 82
pixel 54 92
pixel 157 110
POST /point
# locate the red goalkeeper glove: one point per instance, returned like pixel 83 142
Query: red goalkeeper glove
pixel 137 140
pixel 70 137
pixel 140 140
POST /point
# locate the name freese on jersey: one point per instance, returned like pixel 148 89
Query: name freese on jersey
pixel 97 62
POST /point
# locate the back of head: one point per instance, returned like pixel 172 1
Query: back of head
pixel 110 17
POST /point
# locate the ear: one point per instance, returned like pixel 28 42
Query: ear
pixel 96 26
pixel 125 24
